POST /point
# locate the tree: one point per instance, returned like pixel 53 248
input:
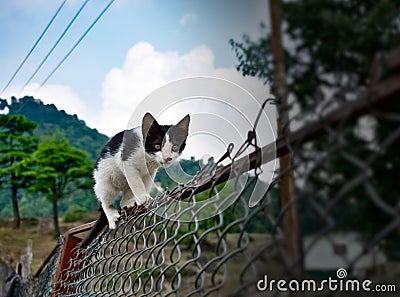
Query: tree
pixel 58 169
pixel 331 48
pixel 50 119
pixel 16 144
pixel 338 56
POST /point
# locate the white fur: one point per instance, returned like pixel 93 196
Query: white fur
pixel 133 177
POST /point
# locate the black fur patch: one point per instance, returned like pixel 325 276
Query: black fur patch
pixel 130 144
pixel 178 137
pixel 111 147
pixel 155 135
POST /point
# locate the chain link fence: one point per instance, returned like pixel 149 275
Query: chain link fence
pixel 346 170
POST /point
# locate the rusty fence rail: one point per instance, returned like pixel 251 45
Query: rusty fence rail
pixel 345 163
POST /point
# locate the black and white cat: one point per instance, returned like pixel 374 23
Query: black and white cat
pixel 128 164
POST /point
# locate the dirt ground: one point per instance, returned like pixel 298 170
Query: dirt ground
pixel 13 242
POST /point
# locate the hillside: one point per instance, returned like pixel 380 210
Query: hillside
pixel 50 119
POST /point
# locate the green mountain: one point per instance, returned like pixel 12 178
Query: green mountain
pixel 50 119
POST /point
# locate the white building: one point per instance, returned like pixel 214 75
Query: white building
pixel 337 250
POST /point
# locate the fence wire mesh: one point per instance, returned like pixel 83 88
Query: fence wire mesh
pixel 42 285
pixel 39 285
pixel 346 175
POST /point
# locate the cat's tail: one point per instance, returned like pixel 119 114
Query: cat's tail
pixel 97 228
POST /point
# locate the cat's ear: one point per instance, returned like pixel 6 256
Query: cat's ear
pixel 147 123
pixel 184 124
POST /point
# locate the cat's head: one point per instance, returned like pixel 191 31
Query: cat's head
pixel 164 142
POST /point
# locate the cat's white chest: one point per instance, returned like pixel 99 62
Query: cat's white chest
pixel 145 165
pixel 110 172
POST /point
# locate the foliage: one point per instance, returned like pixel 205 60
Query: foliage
pixel 236 213
pixel 180 172
pixel 58 168
pixel 16 145
pixel 49 119
pixel 331 46
pixel 74 213
pixel 338 56
pixel 36 205
pixel 255 57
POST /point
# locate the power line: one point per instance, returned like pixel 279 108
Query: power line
pixel 55 45
pixel 33 47
pixel 77 43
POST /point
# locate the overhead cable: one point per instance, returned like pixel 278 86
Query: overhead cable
pixel 55 45
pixel 33 47
pixel 76 44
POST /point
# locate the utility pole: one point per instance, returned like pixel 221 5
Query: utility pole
pixel 290 217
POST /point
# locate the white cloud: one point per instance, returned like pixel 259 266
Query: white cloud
pixel 62 96
pixel 188 18
pixel 145 70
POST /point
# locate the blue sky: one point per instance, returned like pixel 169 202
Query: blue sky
pixel 135 48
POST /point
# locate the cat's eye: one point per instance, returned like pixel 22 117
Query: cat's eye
pixel 157 146
pixel 175 148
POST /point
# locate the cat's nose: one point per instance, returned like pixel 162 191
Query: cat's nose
pixel 168 159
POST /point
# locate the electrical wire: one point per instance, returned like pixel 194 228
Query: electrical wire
pixel 55 45
pixel 76 44
pixel 34 46
pixel 70 51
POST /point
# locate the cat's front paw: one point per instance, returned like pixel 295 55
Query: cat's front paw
pixel 142 199
pixel 127 204
pixel 113 218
